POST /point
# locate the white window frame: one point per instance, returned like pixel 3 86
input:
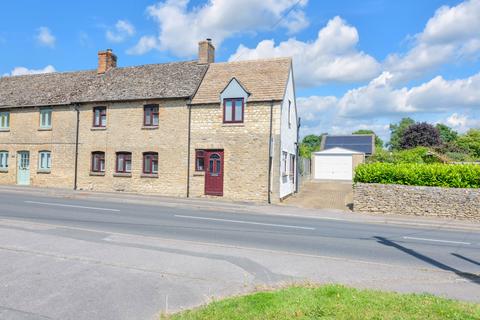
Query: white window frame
pixel 284 163
pixel 46 118
pixel 44 160
pixel 289 114
pixel 4 120
pixel 3 160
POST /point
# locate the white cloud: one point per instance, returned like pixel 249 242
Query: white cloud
pixel 310 108
pixel 451 35
pixel 123 30
pixel 462 122
pixel 20 71
pixel 332 57
pixel 180 28
pixel 145 44
pixel 45 37
pixel 379 103
pixel 379 97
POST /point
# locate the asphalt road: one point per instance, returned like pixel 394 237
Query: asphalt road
pixel 436 248
pixel 206 252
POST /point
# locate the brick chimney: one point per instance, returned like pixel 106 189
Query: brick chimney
pixel 206 52
pixel 106 61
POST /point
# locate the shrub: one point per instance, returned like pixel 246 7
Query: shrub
pixel 415 155
pixel 433 175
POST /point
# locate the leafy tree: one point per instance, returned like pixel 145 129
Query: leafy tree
pixel 378 141
pixel 447 134
pixel 471 142
pixel 312 140
pixel 309 144
pixel 396 132
pixel 420 134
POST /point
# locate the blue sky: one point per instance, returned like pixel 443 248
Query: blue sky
pixel 358 64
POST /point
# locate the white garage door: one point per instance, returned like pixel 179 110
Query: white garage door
pixel 333 167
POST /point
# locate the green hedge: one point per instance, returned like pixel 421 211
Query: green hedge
pixel 433 175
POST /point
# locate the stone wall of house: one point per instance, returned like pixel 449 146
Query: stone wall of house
pixel 246 149
pixel 413 200
pixel 25 134
pixel 245 145
pixel 125 132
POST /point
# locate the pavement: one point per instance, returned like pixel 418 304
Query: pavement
pixel 77 255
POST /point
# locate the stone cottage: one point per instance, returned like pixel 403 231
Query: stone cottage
pixel 186 129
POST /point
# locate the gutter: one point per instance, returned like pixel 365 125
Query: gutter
pixel 76 107
pixel 270 155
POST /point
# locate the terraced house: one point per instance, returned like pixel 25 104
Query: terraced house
pixel 187 129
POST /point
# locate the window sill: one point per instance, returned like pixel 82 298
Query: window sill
pixel 3 170
pixel 98 128
pixel 4 130
pixel 149 175
pixel 121 174
pixel 45 171
pixel 233 124
pixel 97 174
pixel 199 174
pixel 149 127
pixel 44 129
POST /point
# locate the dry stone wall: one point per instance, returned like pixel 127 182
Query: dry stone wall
pixel 414 200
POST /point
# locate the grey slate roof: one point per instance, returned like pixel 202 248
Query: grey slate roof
pixel 364 143
pixel 169 80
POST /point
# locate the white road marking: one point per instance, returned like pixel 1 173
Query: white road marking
pixel 71 206
pixel 245 222
pixel 436 240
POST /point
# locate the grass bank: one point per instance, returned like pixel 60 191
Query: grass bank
pixel 332 302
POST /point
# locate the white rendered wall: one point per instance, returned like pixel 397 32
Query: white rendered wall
pixel 288 138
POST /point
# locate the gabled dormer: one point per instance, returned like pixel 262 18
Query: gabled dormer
pixel 234 98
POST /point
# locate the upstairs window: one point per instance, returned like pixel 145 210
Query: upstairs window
pixel 45 118
pixel 199 160
pixel 124 162
pixel 44 160
pixel 98 161
pixel 150 163
pixel 4 120
pixel 3 160
pixel 100 117
pixel 289 114
pixel 150 115
pixel 233 110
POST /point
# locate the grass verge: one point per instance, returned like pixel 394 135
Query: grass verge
pixel 331 302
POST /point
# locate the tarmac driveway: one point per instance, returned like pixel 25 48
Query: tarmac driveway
pixel 323 195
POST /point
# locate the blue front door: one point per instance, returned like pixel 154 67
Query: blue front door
pixel 23 165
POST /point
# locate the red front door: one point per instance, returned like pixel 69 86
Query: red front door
pixel 214 173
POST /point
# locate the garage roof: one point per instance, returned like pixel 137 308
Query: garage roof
pixel 337 151
pixel 364 143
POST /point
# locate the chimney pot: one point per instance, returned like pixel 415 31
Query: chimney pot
pixel 106 61
pixel 206 52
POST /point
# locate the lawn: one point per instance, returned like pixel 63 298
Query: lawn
pixel 331 302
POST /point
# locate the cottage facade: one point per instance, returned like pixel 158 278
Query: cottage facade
pixel 186 129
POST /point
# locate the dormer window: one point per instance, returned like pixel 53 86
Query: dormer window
pixel 233 110
pixel 234 97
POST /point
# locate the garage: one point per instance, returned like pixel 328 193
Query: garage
pixel 336 163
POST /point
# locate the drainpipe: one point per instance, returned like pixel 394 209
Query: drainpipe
pixel 189 106
pixel 77 109
pixel 270 155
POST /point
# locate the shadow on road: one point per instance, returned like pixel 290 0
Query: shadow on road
pixel 466 275
pixel 466 259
